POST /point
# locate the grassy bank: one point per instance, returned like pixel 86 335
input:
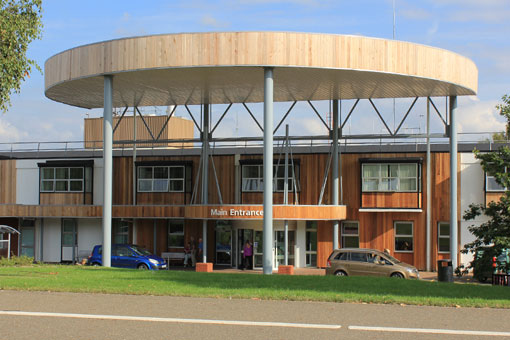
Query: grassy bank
pixel 305 288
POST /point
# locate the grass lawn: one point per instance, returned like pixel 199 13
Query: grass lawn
pixel 278 287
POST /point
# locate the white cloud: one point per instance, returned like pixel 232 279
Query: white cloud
pixel 479 116
pixel 210 21
pixel 415 14
pixel 9 133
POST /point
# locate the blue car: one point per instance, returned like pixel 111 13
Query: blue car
pixel 128 256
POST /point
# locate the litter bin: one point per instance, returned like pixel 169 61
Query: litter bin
pixel 444 271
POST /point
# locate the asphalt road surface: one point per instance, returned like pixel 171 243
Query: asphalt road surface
pixel 44 315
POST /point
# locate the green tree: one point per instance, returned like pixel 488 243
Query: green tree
pixel 492 236
pixel 20 24
pixel 504 111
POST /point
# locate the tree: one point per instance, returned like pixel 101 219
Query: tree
pixel 504 111
pixel 493 236
pixel 20 24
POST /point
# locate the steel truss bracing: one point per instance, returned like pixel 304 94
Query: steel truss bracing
pixel 335 133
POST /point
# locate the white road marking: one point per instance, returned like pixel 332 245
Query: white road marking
pixel 427 331
pixel 171 320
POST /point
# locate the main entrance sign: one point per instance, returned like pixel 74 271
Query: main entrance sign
pixel 256 212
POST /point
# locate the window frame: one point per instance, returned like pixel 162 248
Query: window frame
pixel 439 236
pixel 395 236
pixel 311 227
pixel 342 235
pixel 68 180
pixel 169 234
pixel 276 179
pixel 169 179
pixel 500 189
pixel 387 177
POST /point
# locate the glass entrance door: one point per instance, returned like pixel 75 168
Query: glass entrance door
pixel 258 246
pixel 243 235
pixel 223 244
pixel 279 246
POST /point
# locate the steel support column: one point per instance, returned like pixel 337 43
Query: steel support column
pixel 107 170
pixel 335 178
pixel 453 180
pixel 429 196
pixel 135 187
pixel 205 175
pixel 286 194
pixel 267 256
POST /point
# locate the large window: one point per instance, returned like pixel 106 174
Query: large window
pixel 176 234
pixel 161 178
pixel 311 244
pixel 403 177
pixel 120 231
pixel 443 237
pixel 63 179
pixel 350 234
pixel 253 177
pixel 404 236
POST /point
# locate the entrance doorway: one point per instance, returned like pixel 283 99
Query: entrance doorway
pixel 279 246
pixel 243 235
pixel 223 244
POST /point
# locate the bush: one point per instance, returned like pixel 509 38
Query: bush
pixel 16 261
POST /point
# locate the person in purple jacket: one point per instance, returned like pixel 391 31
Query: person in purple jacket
pixel 248 255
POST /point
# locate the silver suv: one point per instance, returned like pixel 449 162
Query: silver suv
pixel 368 262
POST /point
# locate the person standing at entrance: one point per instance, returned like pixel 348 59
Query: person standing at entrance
pixel 247 255
pixel 193 252
pixel 200 250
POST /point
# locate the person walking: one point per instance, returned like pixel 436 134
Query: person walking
pixel 248 255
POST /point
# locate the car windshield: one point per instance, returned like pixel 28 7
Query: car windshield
pixel 391 258
pixel 140 251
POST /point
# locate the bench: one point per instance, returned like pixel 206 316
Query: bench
pixel 173 257
pixel 501 280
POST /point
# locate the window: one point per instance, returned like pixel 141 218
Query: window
pixel 161 178
pixel 400 177
pixel 443 237
pixel 253 174
pixel 69 233
pixel 350 235
pixel 176 234
pixel 404 236
pixel 62 179
pixel 311 244
pixel 359 257
pixel 492 185
pixel 120 232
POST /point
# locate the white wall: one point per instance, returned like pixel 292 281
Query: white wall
pixel 52 232
pixel 27 181
pixel 89 235
pixel 472 190
pixel 98 181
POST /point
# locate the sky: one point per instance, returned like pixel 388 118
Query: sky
pixel 476 29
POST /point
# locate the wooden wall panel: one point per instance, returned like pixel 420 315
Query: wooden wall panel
pixel 122 180
pixel 492 197
pixel 177 128
pixel 7 181
pixel 68 198
pixel 324 242
pixel 391 200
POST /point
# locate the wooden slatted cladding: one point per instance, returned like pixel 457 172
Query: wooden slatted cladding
pixel 65 198
pixel 176 128
pixel 7 181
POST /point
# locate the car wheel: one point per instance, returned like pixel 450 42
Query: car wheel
pixel 95 264
pixel 340 273
pixel 397 275
pixel 143 266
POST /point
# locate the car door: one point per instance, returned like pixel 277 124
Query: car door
pixel 125 257
pixel 359 264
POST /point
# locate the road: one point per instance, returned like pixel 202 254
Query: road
pixel 45 315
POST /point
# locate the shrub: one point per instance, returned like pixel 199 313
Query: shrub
pixel 16 261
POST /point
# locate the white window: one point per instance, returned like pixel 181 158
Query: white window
pixel 120 232
pixel 62 179
pixel 492 185
pixel 401 177
pixel 252 178
pixel 350 234
pixel 311 244
pixel 176 234
pixel 404 236
pixel 161 178
pixel 443 237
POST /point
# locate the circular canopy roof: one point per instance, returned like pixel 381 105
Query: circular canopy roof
pixel 196 68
